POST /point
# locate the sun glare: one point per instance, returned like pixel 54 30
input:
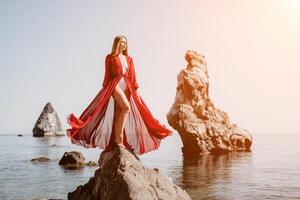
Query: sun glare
pixel 290 13
pixel 291 8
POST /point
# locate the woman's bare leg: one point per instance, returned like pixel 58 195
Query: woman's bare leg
pixel 122 110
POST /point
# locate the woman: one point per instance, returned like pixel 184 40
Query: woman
pixel 117 115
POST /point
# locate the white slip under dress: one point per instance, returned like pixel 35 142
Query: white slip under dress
pixel 122 82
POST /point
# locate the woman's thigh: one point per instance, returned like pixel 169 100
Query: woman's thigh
pixel 120 98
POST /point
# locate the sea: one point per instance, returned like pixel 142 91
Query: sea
pixel 270 171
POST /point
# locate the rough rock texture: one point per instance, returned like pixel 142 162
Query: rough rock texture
pixel 121 176
pixel 48 123
pixel 72 160
pixel 203 128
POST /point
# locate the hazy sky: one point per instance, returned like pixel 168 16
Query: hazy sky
pixel 54 51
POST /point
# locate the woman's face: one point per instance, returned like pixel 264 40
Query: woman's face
pixel 122 44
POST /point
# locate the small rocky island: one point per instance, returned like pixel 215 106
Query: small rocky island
pixel 48 123
pixel 203 128
pixel 74 160
pixel 122 176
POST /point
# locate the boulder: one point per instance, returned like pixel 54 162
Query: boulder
pixel 91 164
pixel 202 126
pixel 241 138
pixel 72 160
pixel 48 123
pixel 40 159
pixel 122 176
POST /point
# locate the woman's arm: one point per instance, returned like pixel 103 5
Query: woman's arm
pixel 133 78
pixel 107 71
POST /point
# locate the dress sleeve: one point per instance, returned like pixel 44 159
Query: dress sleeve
pixel 107 71
pixel 134 81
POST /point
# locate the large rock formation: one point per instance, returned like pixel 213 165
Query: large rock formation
pixel 48 123
pixel 203 127
pixel 121 176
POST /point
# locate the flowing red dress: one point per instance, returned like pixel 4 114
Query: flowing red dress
pixel 94 128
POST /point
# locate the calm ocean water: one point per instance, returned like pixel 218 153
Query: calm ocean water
pixel 270 171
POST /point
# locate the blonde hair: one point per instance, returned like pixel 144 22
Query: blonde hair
pixel 115 46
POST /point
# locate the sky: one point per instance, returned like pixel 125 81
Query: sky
pixel 54 51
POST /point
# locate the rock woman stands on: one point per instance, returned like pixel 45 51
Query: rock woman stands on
pixel 117 116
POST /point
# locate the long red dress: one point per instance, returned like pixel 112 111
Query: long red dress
pixel 94 127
